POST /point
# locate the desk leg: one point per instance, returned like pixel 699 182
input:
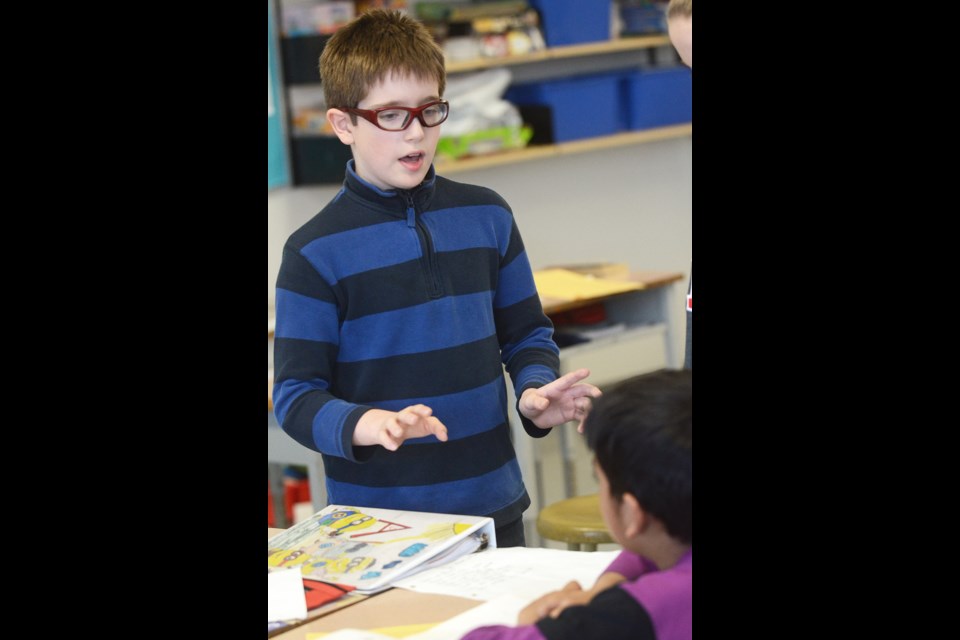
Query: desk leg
pixel 318 483
pixel 567 459
pixel 275 475
pixel 665 303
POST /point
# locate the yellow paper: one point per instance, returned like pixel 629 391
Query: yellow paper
pixel 393 632
pixel 567 285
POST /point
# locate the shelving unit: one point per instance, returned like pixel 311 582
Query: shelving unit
pixel 319 159
pixel 559 53
pixel 564 148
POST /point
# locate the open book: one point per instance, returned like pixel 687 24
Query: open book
pixel 369 548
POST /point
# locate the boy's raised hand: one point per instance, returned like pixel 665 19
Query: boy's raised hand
pixel 563 400
pixel 391 428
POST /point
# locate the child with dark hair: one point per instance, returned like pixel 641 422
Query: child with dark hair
pixel 641 433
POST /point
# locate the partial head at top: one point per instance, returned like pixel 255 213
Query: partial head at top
pixel 680 27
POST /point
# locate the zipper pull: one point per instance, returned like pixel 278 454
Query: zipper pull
pixel 411 211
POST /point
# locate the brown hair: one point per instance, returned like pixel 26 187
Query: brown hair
pixel 373 46
pixel 682 8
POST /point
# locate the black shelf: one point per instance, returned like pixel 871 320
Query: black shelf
pixel 301 59
pixel 318 159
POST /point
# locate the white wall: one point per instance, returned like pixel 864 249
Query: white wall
pixel 629 204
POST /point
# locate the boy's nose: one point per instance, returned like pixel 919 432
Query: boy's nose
pixel 414 130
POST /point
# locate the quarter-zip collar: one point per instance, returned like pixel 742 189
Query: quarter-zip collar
pixel 396 202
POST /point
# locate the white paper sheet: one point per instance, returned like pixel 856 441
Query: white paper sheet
pixel 356 634
pixel 526 573
pixel 285 596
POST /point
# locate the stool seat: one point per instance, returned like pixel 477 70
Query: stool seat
pixel 576 521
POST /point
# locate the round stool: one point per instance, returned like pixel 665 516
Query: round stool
pixel 576 521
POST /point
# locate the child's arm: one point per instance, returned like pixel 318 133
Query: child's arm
pixel 552 604
pixel 560 401
pixel 626 566
pixel 391 428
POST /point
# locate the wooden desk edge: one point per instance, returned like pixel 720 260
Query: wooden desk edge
pixel 649 280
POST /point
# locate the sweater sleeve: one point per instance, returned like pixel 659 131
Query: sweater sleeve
pixel 612 615
pixel 306 344
pixel 528 350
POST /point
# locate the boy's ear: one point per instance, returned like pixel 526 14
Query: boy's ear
pixel 633 516
pixel 340 122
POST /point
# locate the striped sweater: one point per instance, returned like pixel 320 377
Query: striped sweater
pixel 391 298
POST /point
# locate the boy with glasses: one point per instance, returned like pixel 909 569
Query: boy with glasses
pixel 398 305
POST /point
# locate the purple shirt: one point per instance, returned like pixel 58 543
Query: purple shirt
pixel 666 596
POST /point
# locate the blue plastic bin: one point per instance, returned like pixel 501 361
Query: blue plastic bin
pixel 659 97
pixel 643 19
pixel 581 106
pixel 565 22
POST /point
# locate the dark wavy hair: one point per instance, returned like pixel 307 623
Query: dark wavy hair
pixel 641 432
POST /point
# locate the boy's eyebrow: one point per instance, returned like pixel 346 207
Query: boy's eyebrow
pixel 400 103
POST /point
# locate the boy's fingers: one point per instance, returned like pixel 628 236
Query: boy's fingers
pixel 438 429
pixel 574 376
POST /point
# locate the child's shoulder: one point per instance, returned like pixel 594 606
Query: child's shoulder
pixel 308 231
pixel 466 194
pixel 332 218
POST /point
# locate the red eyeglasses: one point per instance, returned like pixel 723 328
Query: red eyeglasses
pixel 399 118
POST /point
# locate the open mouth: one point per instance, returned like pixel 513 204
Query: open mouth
pixel 413 160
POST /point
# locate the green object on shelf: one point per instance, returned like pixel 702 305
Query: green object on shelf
pixel 481 143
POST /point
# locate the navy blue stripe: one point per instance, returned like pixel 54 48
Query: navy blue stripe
pixel 519 321
pixel 515 248
pixel 302 359
pixel 404 285
pixel 499 492
pixel 298 422
pixel 425 463
pixel 298 276
pixel 327 222
pixel 435 373
pixel 469 270
pixel 450 194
